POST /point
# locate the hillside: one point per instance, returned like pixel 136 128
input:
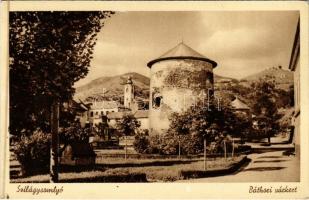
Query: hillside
pixel 218 78
pixel 283 78
pixel 112 86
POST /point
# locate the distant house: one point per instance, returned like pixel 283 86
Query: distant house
pixel 101 108
pixel 140 115
pixel 294 66
pixel 239 106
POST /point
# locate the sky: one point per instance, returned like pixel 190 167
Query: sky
pixel 241 42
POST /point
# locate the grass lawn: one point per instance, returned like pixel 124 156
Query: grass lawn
pixel 156 170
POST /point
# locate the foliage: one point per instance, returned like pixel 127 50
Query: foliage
pixel 265 108
pixel 49 52
pixel 128 125
pixel 141 143
pixel 33 152
pixel 214 124
pixel 75 133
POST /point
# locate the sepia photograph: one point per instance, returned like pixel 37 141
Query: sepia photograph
pixel 154 96
pixel 154 100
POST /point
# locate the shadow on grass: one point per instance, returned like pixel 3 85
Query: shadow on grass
pixel 269 161
pixel 103 167
pixel 261 169
pixel 269 157
pixel 128 178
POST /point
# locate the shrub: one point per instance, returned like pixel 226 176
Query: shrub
pixel 74 133
pixel 141 143
pixel 33 152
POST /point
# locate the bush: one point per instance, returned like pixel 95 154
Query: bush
pixel 33 153
pixel 168 144
pixel 75 133
pixel 141 143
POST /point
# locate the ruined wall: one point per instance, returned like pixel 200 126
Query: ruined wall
pixel 176 85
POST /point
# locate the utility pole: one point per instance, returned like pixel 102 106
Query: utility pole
pixel 205 158
pixel 233 148
pixel 54 151
pixel 125 147
pixel 224 143
pixel 179 147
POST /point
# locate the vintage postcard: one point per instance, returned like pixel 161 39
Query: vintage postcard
pixel 134 99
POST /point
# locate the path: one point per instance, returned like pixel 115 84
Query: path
pixel 264 167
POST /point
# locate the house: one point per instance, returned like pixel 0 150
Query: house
pixel 140 115
pixel 240 107
pixel 101 108
pixel 295 67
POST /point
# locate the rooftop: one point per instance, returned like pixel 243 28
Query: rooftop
pixel 182 51
pixel 239 105
pixel 118 115
pixel 104 105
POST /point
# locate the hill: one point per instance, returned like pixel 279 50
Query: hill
pixel 283 78
pixel 112 86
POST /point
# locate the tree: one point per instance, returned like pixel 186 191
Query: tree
pixel 265 107
pixel 127 125
pixel 49 52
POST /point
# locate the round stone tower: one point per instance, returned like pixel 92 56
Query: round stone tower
pixel 179 79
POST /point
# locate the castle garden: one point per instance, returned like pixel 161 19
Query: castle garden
pixel 181 121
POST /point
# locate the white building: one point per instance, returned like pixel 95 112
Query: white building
pixel 101 108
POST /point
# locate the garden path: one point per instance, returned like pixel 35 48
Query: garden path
pixel 264 167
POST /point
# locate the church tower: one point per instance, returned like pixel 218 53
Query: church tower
pixel 128 93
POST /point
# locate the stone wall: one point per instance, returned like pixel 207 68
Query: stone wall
pixel 176 85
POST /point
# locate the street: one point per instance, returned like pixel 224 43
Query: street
pixel 264 167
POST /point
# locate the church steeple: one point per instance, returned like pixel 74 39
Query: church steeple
pixel 128 93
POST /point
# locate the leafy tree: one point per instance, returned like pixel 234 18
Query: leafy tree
pixel 211 123
pixel 49 52
pixel 197 122
pixel 127 125
pixel 265 107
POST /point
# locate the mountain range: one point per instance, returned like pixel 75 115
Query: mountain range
pixel 112 86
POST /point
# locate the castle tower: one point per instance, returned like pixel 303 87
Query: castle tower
pixel 128 93
pixel 179 79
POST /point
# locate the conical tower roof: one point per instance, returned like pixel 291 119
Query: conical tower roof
pixel 182 51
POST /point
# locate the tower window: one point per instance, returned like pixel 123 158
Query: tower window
pixel 126 89
pixel 157 102
pixel 91 114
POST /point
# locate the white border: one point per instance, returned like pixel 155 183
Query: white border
pixel 166 190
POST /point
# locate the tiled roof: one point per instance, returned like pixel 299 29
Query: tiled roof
pixel 104 105
pixel 239 105
pixel 181 51
pixel 118 115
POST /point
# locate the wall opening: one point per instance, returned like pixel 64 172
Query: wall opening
pixel 157 101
